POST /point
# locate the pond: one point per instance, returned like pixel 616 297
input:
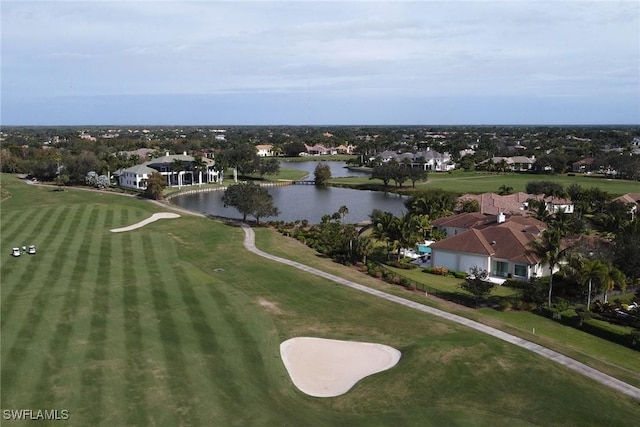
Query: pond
pixel 299 202
pixel 338 169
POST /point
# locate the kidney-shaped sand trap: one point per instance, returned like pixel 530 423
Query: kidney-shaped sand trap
pixel 326 368
pixel 152 218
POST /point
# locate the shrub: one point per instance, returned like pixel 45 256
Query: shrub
pixel 505 305
pixel 440 271
pixel 459 274
pixel 515 284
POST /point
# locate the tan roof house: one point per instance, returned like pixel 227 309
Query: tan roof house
pixel 499 246
pixel 516 203
pixel 265 150
pixel 632 199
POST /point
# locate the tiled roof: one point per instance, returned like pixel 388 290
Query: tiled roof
pixel 493 204
pixel 464 220
pixel 471 241
pixel 508 240
pixel 629 198
pixel 139 170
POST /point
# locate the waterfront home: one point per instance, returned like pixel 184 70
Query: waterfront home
pixel 178 170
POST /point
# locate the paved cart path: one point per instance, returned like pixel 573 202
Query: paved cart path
pixel 249 243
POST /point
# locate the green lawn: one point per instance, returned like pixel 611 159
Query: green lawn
pixel 476 182
pixel 176 324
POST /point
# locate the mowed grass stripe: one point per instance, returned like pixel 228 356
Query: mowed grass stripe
pixel 11 231
pixel 31 288
pixel 174 359
pixel 17 283
pixel 114 401
pixel 195 361
pixel 55 388
pixel 92 376
pixel 248 370
pixel 42 304
pixel 137 379
pixel 18 237
pixel 211 358
pixel 9 218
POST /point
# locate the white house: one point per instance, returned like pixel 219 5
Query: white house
pixel 515 163
pixel 136 176
pixel 264 150
pixel 500 247
pixel 428 160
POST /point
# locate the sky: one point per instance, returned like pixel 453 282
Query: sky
pixel 319 62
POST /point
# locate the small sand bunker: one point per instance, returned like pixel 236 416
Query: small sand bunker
pixel 327 368
pixel 152 218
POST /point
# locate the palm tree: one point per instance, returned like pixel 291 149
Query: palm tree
pixel 548 249
pixel 198 165
pixel 364 247
pixel 502 166
pixel 382 226
pixel 177 166
pixel 593 269
pixel 613 278
pixel 408 232
pixel 423 225
pixel 539 210
pixel 343 211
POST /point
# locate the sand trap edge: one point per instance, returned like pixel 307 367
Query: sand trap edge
pixel 152 218
pixel 348 383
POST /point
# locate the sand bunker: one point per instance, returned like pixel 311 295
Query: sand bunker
pixel 152 218
pixel 326 368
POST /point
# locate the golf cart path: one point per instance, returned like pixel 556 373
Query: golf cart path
pixel 249 244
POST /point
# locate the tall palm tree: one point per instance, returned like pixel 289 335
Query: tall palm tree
pixel 548 249
pixel 593 270
pixel 538 209
pixel 198 165
pixel 423 225
pixel 364 247
pixel 383 223
pixel 408 232
pixel 177 166
pixel 614 278
pixel 343 211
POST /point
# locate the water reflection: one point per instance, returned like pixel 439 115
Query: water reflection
pixel 298 202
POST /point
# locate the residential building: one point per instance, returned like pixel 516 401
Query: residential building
pixel 318 150
pixel 499 245
pixel 513 164
pixel 516 203
pixel 583 165
pixel 428 160
pixel 631 199
pixel 136 177
pixel 265 150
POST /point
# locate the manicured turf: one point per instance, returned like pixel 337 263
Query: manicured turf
pixel 143 328
pixel 476 182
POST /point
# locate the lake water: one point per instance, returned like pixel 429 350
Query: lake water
pixel 338 169
pixel 298 202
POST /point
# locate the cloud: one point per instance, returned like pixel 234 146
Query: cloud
pixel 519 48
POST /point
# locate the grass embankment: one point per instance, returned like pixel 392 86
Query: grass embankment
pixel 616 360
pixel 144 328
pixel 478 182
